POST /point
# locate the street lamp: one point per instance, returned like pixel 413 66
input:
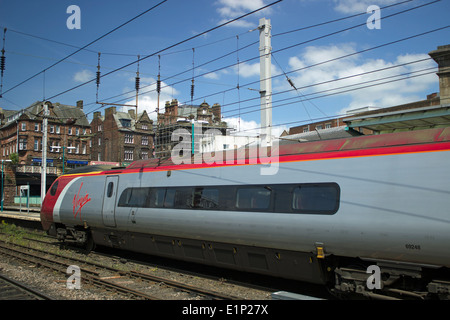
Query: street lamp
pixel 63 152
pixel 3 161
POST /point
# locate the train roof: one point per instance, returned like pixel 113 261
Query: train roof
pixel 365 142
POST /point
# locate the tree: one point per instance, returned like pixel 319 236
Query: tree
pixel 14 157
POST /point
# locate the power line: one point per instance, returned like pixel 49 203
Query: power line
pixel 169 47
pixel 305 42
pixel 333 80
pixel 87 45
pixel 347 90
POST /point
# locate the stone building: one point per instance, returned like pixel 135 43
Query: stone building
pixel 185 117
pixel 68 139
pixel 121 136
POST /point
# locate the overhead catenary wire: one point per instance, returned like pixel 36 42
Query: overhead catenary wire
pixel 202 97
pixel 331 21
pixel 295 45
pixel 327 61
pixel 171 46
pixel 87 45
pixel 407 76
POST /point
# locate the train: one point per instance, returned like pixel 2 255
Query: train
pixel 366 216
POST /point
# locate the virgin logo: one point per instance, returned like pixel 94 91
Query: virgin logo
pixel 79 203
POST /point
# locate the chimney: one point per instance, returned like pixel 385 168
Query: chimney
pixel 97 114
pixel 132 113
pixel 217 112
pixel 110 111
pixel 80 104
pixel 442 58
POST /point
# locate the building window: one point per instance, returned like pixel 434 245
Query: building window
pixel 36 145
pixel 305 129
pixel 52 129
pixel 144 155
pixel 70 147
pixel 36 127
pixel 319 127
pixel 58 129
pixel 144 127
pixel 77 148
pixel 70 130
pixel 327 125
pixel 99 141
pixel 129 138
pixel 84 148
pixel 84 131
pixel 22 144
pixel 144 141
pixel 128 155
pixel 99 128
pixel 24 126
pixel 126 123
pixel 77 131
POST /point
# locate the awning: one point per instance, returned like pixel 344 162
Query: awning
pixel 82 162
pixel 412 119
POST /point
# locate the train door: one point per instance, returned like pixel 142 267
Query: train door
pixel 109 201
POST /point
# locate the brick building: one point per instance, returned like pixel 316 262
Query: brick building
pixel 21 134
pixel 182 117
pixel 121 136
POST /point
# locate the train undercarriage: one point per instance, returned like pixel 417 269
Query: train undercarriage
pixel 388 280
pixel 346 278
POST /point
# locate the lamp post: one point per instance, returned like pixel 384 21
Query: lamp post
pixel 3 161
pixel 63 152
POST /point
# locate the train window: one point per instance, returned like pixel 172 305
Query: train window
pixel 110 190
pixel 206 198
pixel 183 198
pixel 169 198
pixel 257 198
pixel 309 198
pixel 157 197
pixel 134 197
pixel 54 188
pixel 316 198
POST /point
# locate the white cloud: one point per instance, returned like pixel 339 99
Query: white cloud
pixel 250 128
pixel 231 9
pixel 384 95
pixel 149 101
pixel 83 76
pixel 358 6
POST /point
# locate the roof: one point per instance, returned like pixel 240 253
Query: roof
pixel 322 134
pixel 59 112
pixel 122 117
pixel 413 119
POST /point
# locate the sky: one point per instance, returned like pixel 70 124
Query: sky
pixel 334 52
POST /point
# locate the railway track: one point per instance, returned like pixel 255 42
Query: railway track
pixel 131 283
pixel 13 290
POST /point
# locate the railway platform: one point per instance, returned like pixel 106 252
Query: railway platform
pixel 14 212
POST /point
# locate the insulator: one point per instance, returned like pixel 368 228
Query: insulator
pixel 291 83
pixel 192 89
pixel 2 63
pixel 138 80
pixel 98 78
pixel 158 86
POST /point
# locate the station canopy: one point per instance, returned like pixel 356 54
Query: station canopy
pixel 403 120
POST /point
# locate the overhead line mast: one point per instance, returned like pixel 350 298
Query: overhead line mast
pixel 265 63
